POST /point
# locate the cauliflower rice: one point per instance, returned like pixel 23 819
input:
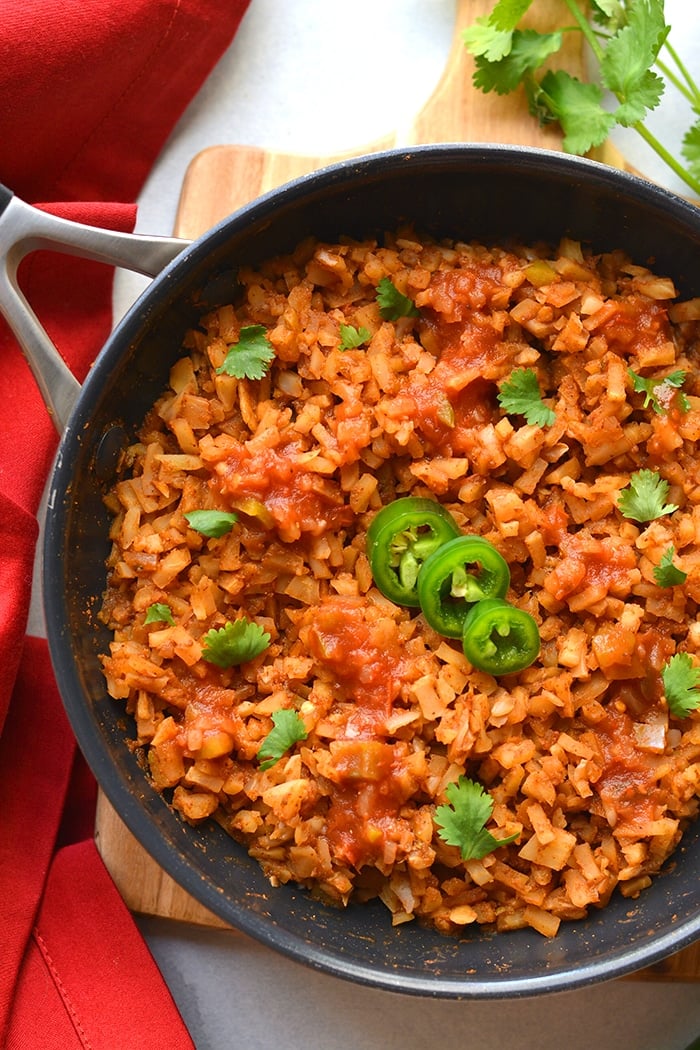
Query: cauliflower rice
pixel 579 752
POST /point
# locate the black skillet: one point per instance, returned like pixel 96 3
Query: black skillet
pixel 487 193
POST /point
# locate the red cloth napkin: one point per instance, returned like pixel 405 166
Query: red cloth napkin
pixel 91 90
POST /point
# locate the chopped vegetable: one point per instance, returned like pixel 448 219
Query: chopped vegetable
pixel 351 337
pixel 681 679
pixel 463 822
pixel 666 573
pixel 500 638
pixel 159 613
pixel 212 523
pixel 520 395
pixel 235 643
pixel 250 357
pixel 288 729
pixel 455 576
pixel 393 304
pixel 400 538
pixel 627 39
pixel 643 499
pixel 658 393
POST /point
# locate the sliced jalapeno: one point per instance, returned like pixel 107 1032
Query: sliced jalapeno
pixel 400 538
pixel 463 571
pixel 499 637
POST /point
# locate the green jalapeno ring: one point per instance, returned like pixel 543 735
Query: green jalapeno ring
pixel 400 538
pixel 500 638
pixel 463 571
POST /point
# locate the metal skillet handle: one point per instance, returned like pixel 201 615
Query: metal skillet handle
pixel 24 229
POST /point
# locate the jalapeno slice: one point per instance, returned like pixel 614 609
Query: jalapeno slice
pixel 400 538
pixel 499 637
pixel 463 571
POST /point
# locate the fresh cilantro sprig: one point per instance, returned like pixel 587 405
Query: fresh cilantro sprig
pixel 666 573
pixel 250 357
pixel 159 613
pixel 463 821
pixel 658 393
pixel 288 729
pixel 235 643
pixel 644 498
pixel 629 42
pixel 212 523
pixel 351 337
pixel 393 304
pixel 520 395
pixel 681 680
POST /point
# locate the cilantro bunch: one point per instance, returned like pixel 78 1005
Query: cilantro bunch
pixel 629 42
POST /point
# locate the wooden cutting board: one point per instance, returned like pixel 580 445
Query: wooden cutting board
pixel 221 179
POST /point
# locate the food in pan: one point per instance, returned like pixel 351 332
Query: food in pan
pixel 405 577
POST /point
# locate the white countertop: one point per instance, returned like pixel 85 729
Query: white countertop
pixel 292 68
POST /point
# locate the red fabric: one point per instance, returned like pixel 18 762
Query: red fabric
pixel 90 91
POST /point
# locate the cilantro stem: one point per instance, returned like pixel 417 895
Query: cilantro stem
pixel 691 91
pixel 675 80
pixel 585 27
pixel 668 158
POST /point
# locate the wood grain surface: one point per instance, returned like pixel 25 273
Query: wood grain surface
pixel 218 181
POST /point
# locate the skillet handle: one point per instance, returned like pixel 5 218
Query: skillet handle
pixel 24 229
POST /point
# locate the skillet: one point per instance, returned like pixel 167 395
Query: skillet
pixel 492 194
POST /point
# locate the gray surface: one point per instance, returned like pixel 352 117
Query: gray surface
pixel 292 69
pixel 234 993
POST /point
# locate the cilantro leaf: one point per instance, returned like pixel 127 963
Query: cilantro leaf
pixel 666 573
pixel 507 13
pixel 462 822
pixel 492 36
pixel 577 107
pixel 351 337
pixel 643 499
pixel 393 303
pixel 691 148
pixel 235 643
pixel 527 52
pixel 681 679
pixel 609 13
pixel 288 729
pixel 213 523
pixel 159 613
pixel 659 392
pixel 250 357
pixel 520 395
pixel 626 63
pixel 484 40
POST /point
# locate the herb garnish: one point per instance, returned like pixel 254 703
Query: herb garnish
pixel 658 392
pixel 666 573
pixel 681 680
pixel 250 357
pixel 462 822
pixel 235 643
pixel 288 729
pixel 643 499
pixel 351 337
pixel 159 613
pixel 393 304
pixel 212 523
pixel 520 395
pixel 626 39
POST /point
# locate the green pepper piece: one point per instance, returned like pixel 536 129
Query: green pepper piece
pixel 455 576
pixel 499 637
pixel 400 538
